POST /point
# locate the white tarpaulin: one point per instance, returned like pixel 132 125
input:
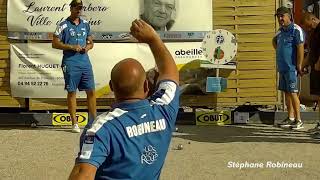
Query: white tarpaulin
pixel 35 70
pixel 43 16
pixel 109 19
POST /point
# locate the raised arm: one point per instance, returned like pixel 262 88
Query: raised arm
pixel 144 33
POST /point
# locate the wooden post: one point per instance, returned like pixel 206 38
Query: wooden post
pixel 297 11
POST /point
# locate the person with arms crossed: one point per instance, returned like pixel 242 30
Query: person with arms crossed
pixel 73 36
pixel 159 14
pixel 311 24
pixel 289 45
pixel 132 140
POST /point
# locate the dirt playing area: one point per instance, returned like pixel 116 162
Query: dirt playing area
pixel 262 151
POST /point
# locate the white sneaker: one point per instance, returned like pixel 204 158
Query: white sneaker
pixel 75 128
pixel 297 125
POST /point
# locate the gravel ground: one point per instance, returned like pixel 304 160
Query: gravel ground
pixel 208 152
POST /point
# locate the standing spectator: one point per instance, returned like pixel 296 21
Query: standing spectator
pixel 288 42
pixel 73 36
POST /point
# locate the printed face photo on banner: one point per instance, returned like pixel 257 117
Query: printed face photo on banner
pixel 177 15
pixel 160 14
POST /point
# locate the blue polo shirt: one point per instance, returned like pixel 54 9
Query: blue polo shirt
pixel 72 34
pixel 287 41
pixel 131 141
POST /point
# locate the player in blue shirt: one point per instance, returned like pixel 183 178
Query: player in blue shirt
pixel 131 141
pixel 288 42
pixel 73 36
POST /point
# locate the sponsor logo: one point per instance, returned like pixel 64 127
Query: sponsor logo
pixel 33 35
pixel 213 118
pixel 172 36
pixel 106 36
pixel 220 39
pixel 59 119
pixel 190 34
pixel 89 139
pixel 189 53
pixel 124 36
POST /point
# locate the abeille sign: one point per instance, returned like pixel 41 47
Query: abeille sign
pixel 64 119
pixel 219 118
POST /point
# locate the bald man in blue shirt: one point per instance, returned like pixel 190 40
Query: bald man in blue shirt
pixel 131 141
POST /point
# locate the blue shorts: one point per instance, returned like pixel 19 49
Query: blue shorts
pixel 78 77
pixel 288 81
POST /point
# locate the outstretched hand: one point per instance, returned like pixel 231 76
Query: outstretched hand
pixel 143 32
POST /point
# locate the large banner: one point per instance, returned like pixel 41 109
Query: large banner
pixel 111 19
pixel 35 70
pixel 44 15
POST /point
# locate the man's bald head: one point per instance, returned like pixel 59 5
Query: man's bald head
pixel 307 16
pixel 128 79
pixel 309 21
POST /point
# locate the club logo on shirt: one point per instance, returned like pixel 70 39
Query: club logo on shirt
pixel 149 155
pixel 72 33
pixel 288 40
pixel 89 139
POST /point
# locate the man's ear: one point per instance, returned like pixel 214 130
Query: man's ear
pixel 146 86
pixel 110 84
